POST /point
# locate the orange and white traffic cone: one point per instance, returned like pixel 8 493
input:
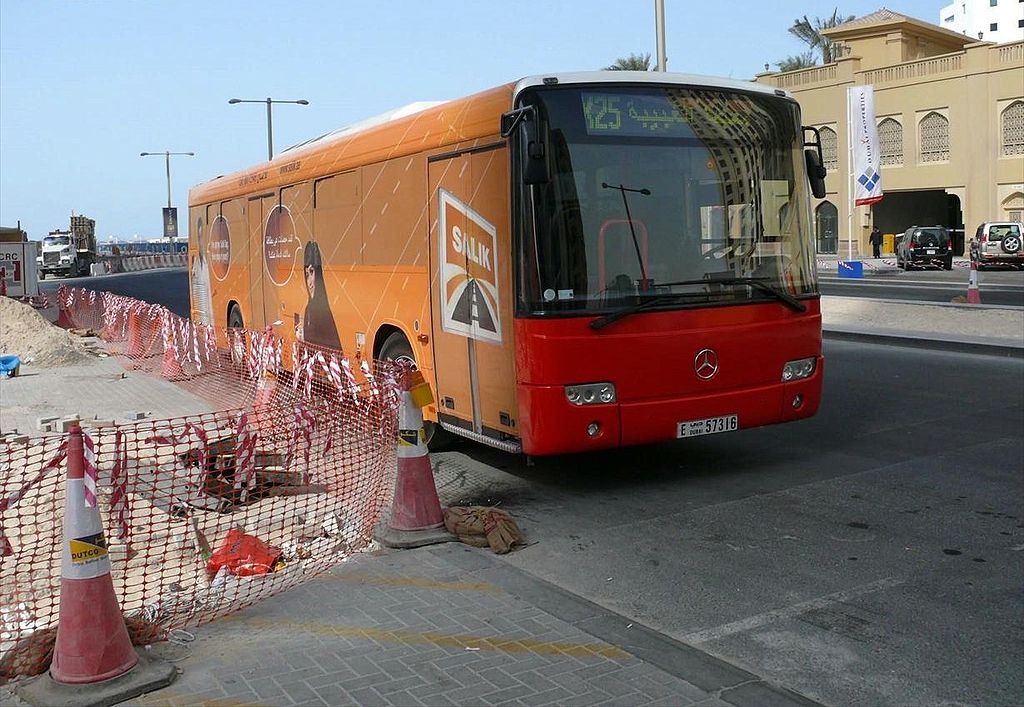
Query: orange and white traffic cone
pixel 973 293
pixel 92 640
pixel 136 347
pixel 416 515
pixel 171 368
pixel 94 661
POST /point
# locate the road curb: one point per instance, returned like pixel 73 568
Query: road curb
pixel 936 342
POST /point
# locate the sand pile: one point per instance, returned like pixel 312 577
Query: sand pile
pixel 24 333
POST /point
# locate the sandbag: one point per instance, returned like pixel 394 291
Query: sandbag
pixel 483 526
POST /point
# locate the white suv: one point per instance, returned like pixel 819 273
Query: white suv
pixel 998 243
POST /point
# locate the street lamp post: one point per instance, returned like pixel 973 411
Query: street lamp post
pixel 167 155
pixel 169 213
pixel 270 120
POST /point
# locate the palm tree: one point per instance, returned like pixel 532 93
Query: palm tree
pixel 797 62
pixel 810 33
pixel 633 62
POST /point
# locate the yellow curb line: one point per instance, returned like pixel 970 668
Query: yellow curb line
pixel 410 582
pixel 578 650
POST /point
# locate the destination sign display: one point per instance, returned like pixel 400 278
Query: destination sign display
pixel 678 115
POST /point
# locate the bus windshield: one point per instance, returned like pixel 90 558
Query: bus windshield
pixel 680 196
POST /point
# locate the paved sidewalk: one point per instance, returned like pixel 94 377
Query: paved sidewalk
pixel 953 327
pixel 98 388
pixel 445 625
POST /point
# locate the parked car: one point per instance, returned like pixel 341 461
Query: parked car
pixel 925 245
pixel 998 243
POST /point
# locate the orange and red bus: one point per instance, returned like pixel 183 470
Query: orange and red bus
pixel 576 262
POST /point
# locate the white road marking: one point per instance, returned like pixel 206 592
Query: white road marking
pixel 788 612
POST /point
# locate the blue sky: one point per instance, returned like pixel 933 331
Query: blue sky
pixel 86 86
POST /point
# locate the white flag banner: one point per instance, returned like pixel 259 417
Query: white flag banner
pixel 864 147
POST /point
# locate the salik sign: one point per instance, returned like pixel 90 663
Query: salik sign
pixel 469 271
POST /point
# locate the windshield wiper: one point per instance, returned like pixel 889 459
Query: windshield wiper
pixel 762 285
pixel 757 283
pixel 602 322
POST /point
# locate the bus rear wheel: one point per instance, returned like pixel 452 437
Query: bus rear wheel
pixel 235 320
pixel 396 348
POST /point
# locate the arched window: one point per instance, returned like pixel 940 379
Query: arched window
pixel 829 149
pixel 1013 207
pixel 890 137
pixel 826 225
pixel 1013 130
pixel 934 138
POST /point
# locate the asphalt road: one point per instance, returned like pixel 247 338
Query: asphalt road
pixel 872 555
pixel 168 286
pixel 1000 287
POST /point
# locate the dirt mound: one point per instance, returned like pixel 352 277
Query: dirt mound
pixel 24 333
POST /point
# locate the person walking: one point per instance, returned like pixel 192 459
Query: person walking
pixel 876 242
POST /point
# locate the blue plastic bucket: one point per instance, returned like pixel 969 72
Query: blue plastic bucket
pixel 9 366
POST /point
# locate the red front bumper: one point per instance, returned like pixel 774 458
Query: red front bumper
pixel 555 426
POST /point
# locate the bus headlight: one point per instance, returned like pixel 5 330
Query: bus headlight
pixel 800 368
pixel 590 393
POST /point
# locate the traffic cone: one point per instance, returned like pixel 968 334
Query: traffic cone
pixel 136 347
pixel 92 640
pixel 973 293
pixel 94 662
pixel 63 315
pixel 263 407
pixel 171 368
pixel 416 516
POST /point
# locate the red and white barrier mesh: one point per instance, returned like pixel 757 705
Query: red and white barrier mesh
pixel 298 454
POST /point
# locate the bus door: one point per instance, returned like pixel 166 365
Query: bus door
pixel 259 208
pixel 471 292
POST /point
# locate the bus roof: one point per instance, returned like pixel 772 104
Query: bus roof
pixel 424 126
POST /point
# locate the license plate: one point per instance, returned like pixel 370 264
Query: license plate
pixel 707 426
pixel 931 251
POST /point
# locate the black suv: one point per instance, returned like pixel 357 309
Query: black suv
pixel 925 245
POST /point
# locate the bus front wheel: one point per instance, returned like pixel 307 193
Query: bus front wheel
pixel 396 348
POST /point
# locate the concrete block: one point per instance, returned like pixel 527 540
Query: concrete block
pixel 67 421
pixel 148 675
pixel 133 415
pixel 45 422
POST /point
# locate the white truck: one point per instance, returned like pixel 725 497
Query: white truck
pixel 69 252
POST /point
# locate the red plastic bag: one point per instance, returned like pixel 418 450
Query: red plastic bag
pixel 243 555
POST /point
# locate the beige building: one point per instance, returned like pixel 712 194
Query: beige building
pixel 950 114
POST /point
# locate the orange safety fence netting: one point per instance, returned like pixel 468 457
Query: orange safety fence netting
pixel 207 513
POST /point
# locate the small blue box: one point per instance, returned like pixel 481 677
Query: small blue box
pixel 851 268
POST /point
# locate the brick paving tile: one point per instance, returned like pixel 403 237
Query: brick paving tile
pixel 399 685
pixel 369 680
pixel 516 694
pixel 554 696
pixel 367 697
pixel 334 695
pixel 266 688
pixel 301 694
pixel 499 678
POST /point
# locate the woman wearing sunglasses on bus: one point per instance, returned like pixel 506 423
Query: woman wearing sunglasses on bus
pixel 318 323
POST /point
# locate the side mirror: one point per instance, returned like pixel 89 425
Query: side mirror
pixel 524 124
pixel 815 162
pixel 815 173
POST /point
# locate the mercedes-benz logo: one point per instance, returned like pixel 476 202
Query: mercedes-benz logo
pixel 705 364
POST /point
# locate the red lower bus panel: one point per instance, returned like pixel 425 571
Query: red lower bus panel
pixel 650 358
